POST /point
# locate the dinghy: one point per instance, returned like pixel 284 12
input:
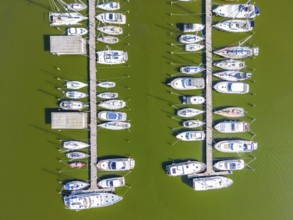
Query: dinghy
pixel 189 112
pixel 112 104
pixel 193 47
pixel 236 146
pixel 75 185
pixel 191 69
pixel 75 94
pixel 230 64
pixel 238 26
pixel 192 123
pixel 191 136
pixel 74 145
pixel 231 112
pixel 76 31
pixel 72 105
pixel 111 30
pixel 185 168
pixel 187 83
pixel 115 125
pixel 108 39
pixel 211 182
pixel 193 100
pixel 116 164
pixel 190 39
pixel 232 87
pixel 112 18
pixel 75 85
pixel 112 116
pixel 106 84
pixel 109 6
pixel 232 127
pixel 75 155
pixel 229 165
pixel 111 57
pixel 112 182
pixel 187 28
pixel 77 164
pixel 108 95
pixel 237 11
pixel 231 75
pixel 237 52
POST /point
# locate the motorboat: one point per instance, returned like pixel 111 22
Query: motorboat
pixel 187 83
pixel 77 164
pixel 191 69
pixel 75 94
pixel 72 105
pixel 230 64
pixel 73 31
pixel 236 146
pixel 232 127
pixel 234 25
pixel 75 85
pixel 232 87
pixel 75 145
pixel 231 112
pixel 185 168
pixel 112 182
pixel 237 52
pixel 116 164
pixel 193 100
pixel 65 19
pixel 193 27
pixel 75 155
pixel 75 185
pixel 108 39
pixel 112 18
pixel 193 47
pixel 115 125
pixel 230 165
pixel 192 123
pixel 106 85
pixel 112 116
pixel 76 6
pixel 111 57
pixel 191 136
pixel 211 182
pixel 189 112
pixel 88 200
pixel 190 38
pixel 108 95
pixel 111 30
pixel 112 104
pixel 237 11
pixel 232 75
pixel 109 6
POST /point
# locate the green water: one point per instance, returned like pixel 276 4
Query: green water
pixel 29 175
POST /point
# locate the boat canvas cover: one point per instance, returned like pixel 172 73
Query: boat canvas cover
pixel 237 87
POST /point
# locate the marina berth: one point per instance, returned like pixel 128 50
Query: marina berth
pixel 211 182
pixel 75 94
pixel 112 116
pixel 110 183
pixel 75 145
pixel 237 11
pixel 73 31
pixel 187 28
pixel 235 26
pixel 237 52
pixel 189 112
pixel 193 47
pixel 187 83
pixel 232 87
pixel 193 100
pixel 75 155
pixel 230 165
pixel 108 39
pixel 230 64
pixel 77 164
pixel 116 164
pixel 65 19
pixel 111 57
pixel 76 6
pixel 75 185
pixel 112 18
pixel 232 75
pixel 191 136
pixel 88 200
pixel 231 112
pixel 109 6
pixel 192 123
pixel 191 69
pixel 75 85
pixel 111 30
pixel 236 146
pixel 190 38
pixel 108 95
pixel 72 105
pixel 112 104
pixel 185 168
pixel 115 125
pixel 106 85
pixel 232 127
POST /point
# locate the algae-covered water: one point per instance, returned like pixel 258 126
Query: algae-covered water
pixel 30 180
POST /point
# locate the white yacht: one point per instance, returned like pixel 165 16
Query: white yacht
pixel 75 94
pixel 75 155
pixel 108 95
pixel 237 11
pixel 75 85
pixel 193 27
pixel 187 83
pixel 115 125
pixel 112 18
pixel 234 25
pixel 232 75
pixel 111 57
pixel 231 112
pixel 190 38
pixel 109 6
pixel 73 31
pixel 106 85
pixel 75 185
pixel 230 165
pixel 230 64
pixel 211 182
pixel 192 123
pixel 185 168
pixel 65 19
pixel 88 200
pixel 112 104
pixel 112 182
pixel 232 87
pixel 193 47
pixel 191 69
pixel 236 146
pixel 237 52
pixel 116 164
pixel 232 127
pixel 193 100
pixel 189 112
pixel 72 105
pixel 76 6
pixel 108 39
pixel 112 116
pixel 111 30
pixel 75 145
pixel 191 136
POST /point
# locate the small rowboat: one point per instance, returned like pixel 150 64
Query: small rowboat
pixel 108 95
pixel 231 75
pixel 75 85
pixel 107 84
pixel 75 185
pixel 193 47
pixel 109 6
pixel 111 30
pixel 75 155
pixel 231 112
pixel 192 123
pixel 75 94
pixel 108 39
pixel 77 164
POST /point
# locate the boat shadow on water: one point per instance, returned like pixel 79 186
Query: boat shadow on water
pixel 46 39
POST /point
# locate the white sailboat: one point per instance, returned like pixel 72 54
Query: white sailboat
pixel 192 123
pixel 108 95
pixel 185 168
pixel 112 116
pixel 111 30
pixel 235 26
pixel 76 155
pixel 187 83
pixel 75 94
pixel 237 11
pixel 230 64
pixel 189 112
pixel 191 69
pixel 75 85
pixel 231 112
pixel 232 75
pixel 111 57
pixel 112 104
pixel 106 85
pixel 74 145
pixel 108 39
pixel 112 18
pixel 190 38
pixel 115 125
pixel 109 6
pixel 232 87
pixel 193 27
pixel 191 136
pixel 72 105
pixel 193 47
pixel 75 185
pixel 65 19
pixel 237 52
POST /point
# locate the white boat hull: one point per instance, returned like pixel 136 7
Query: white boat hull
pixel 112 18
pixel 109 6
pixel 74 145
pixel 75 85
pixel 111 57
pixel 236 146
pixel 189 112
pixel 116 164
pixel 112 183
pixel 191 69
pixel 187 83
pixel 114 104
pixel 212 182
pixel 233 76
pixel 185 168
pixel 108 95
pixel 192 123
pixel 230 64
pixel 229 165
pixel 232 127
pixel 117 125
pixel 193 47
pixel 108 39
pixel 111 30
pixel 237 11
pixel 193 100
pixel 232 87
pixel 235 26
pixel 191 136
pixel 112 116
